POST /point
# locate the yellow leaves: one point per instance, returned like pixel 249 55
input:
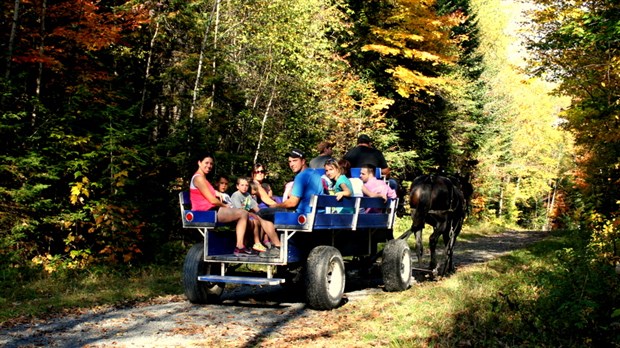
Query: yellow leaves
pixel 605 237
pixel 422 55
pixel 75 190
pixel 419 39
pixel 120 178
pixel 77 259
pixel 381 49
pixel 382 104
pixel 79 189
pixel 410 82
pixel 397 38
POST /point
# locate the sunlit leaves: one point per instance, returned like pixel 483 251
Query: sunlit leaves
pixel 575 43
pixel 413 34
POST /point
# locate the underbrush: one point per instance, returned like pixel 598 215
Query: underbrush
pixel 33 293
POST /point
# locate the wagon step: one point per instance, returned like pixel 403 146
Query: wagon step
pixel 241 280
pixel 242 259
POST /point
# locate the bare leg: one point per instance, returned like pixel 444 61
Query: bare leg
pixel 234 214
pixel 255 225
pixel 270 230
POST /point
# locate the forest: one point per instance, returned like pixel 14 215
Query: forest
pixel 107 105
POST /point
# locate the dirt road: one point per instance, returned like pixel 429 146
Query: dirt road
pixel 246 316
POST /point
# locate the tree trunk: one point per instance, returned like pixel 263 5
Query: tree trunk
pixel 551 205
pixel 147 74
pixel 41 51
pixel 203 46
pixel 215 32
pixel 264 121
pixel 12 40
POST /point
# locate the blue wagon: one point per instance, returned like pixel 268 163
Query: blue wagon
pixel 315 249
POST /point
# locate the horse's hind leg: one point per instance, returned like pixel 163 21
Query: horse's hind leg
pixel 450 249
pixel 419 248
pixel 417 225
pixel 432 244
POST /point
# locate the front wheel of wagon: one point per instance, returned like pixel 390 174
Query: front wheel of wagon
pixel 325 277
pixel 396 265
pixel 197 291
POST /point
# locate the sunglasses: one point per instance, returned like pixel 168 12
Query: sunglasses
pixel 260 172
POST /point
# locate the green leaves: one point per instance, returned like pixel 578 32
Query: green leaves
pixel 579 47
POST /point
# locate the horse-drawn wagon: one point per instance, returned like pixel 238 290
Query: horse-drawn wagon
pixel 316 249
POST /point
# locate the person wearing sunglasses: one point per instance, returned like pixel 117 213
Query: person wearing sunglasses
pixel 259 174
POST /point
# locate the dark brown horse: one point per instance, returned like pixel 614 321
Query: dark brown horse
pixel 438 201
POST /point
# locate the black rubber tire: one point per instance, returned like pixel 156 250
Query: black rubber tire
pixel 194 266
pixel 325 278
pixel 396 265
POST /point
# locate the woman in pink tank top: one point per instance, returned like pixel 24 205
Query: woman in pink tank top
pixel 203 197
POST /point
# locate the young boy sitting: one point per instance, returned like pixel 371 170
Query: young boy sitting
pixel 243 200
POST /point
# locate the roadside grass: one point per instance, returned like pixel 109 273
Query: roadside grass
pixel 529 298
pixel 38 294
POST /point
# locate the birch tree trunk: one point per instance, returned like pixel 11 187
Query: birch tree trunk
pixel 265 116
pixel 12 40
pixel 41 51
pixel 215 32
pixel 203 46
pixel 147 74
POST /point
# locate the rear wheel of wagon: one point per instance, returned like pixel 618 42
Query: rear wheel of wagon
pixel 325 277
pixel 194 266
pixel 396 265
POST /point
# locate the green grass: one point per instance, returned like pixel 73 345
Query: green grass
pixel 37 294
pixel 532 297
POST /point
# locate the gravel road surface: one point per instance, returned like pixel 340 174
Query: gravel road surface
pixel 246 315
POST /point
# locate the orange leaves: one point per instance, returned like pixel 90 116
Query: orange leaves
pixel 84 24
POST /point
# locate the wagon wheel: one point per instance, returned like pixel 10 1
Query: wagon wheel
pixel 396 265
pixel 325 277
pixel 193 267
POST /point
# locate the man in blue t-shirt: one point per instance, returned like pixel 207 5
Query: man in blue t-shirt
pixel 307 183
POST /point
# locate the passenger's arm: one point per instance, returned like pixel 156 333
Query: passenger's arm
pixel 201 185
pixel 369 193
pixel 345 192
pixel 264 196
pixel 290 203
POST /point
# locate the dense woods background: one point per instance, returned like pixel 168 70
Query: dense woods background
pixel 106 105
